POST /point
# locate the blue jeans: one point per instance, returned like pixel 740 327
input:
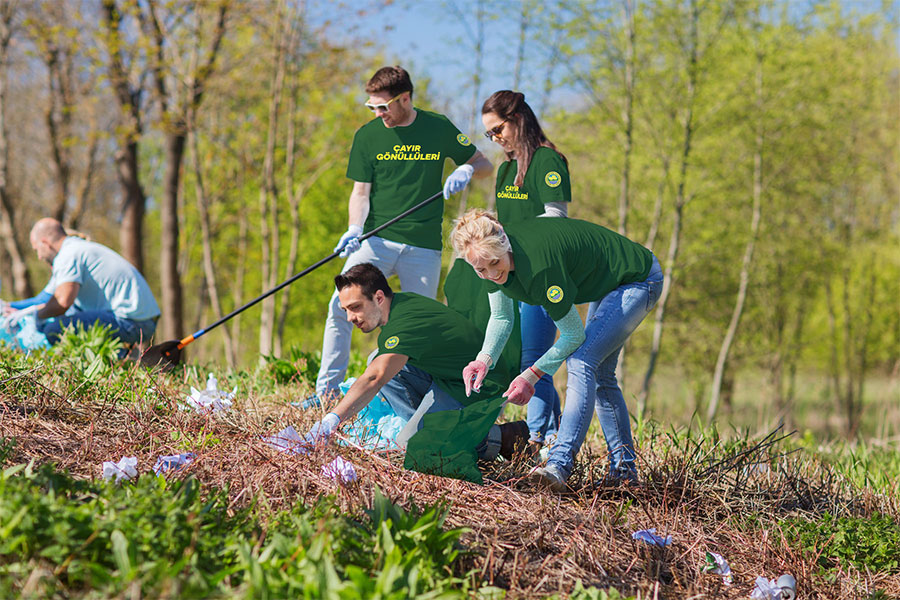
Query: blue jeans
pixel 592 384
pixel 127 330
pixel 419 270
pixel 538 334
pixel 409 388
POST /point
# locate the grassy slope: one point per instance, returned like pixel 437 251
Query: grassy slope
pixel 769 505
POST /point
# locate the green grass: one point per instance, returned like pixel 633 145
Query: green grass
pixel 177 539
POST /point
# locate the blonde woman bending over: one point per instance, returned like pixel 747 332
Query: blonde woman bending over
pixel 557 264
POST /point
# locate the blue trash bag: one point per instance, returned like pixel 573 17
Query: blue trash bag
pixel 376 426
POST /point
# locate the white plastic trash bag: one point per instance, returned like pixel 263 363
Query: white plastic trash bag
pixel 717 565
pixel 339 471
pixel 211 399
pixel 173 462
pixel 287 440
pixel 124 469
pixel 649 536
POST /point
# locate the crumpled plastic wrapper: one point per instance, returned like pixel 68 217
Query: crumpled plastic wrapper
pixel 124 469
pixel 649 536
pixel 211 399
pixel 339 471
pixel 717 565
pixel 287 440
pixel 173 462
pixel 783 588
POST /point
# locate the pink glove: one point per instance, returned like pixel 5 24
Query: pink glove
pixel 519 391
pixel 473 376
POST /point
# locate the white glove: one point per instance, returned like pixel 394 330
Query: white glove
pixel 349 242
pixel 322 430
pixel 458 180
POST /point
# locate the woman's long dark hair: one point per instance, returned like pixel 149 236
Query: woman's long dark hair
pixel 511 107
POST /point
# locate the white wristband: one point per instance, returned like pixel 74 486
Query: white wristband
pixel 530 376
pixel 354 230
pixel 485 358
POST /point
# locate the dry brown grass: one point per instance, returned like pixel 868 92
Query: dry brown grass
pixel 529 542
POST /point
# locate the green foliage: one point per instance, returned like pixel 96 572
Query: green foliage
pixel 580 592
pixel 92 351
pixel 101 535
pixel 172 537
pixel 297 365
pixel 868 545
pixel 7 445
pixel 301 366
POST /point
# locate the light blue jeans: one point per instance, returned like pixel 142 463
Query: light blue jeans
pixel 538 334
pixel 419 270
pixel 409 388
pixel 127 330
pixel 592 385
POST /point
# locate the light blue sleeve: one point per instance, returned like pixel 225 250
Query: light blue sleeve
pixel 571 336
pixel 41 298
pixel 499 326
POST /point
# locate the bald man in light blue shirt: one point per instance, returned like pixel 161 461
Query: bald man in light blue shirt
pixel 101 285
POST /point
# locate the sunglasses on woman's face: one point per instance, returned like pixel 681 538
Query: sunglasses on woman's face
pixel 385 107
pixel 495 131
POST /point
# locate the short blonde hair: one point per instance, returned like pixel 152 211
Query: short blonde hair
pixel 478 231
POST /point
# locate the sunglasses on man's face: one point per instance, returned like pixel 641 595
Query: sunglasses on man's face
pixel 495 131
pixel 385 107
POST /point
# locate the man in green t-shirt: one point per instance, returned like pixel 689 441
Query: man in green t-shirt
pixel 423 347
pixel 396 161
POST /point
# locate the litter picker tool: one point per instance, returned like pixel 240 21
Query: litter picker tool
pixel 168 354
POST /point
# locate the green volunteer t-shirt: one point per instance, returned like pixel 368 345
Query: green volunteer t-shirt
pixel 467 294
pixel 404 166
pixel 561 262
pixel 546 180
pixel 438 340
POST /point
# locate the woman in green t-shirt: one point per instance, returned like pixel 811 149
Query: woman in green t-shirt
pixel 556 264
pixel 533 182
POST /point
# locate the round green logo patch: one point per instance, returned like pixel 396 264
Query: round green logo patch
pixel 552 179
pixel 391 342
pixel 462 139
pixel 554 294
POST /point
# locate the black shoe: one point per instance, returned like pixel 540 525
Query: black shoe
pixel 513 439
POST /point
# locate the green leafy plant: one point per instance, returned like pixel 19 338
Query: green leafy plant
pixel 92 351
pixel 871 544
pixel 175 539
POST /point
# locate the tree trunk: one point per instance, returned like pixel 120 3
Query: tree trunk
pixel 268 195
pixel 628 126
pixel 87 179
pixel 237 290
pixel 206 237
pixel 170 277
pixel 21 282
pixel 627 117
pixel 746 264
pixel 131 229
pixel 520 47
pixel 680 201
pixel 657 208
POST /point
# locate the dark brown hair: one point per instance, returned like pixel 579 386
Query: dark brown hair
pixel 368 277
pixel 393 80
pixel 511 107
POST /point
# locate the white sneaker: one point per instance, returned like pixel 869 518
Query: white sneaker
pixel 549 477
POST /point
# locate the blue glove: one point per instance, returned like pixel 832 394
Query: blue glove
pixel 349 242
pixel 322 430
pixel 458 180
